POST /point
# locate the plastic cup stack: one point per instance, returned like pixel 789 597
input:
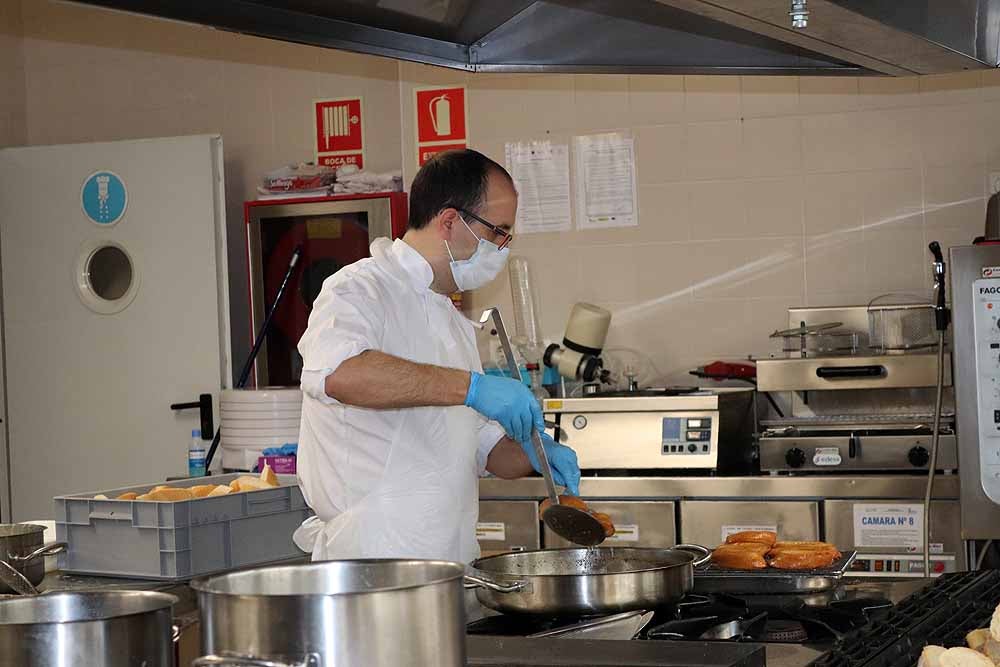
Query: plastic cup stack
pixel 255 419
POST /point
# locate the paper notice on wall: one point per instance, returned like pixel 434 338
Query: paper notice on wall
pixel 605 181
pixel 541 174
pixel 889 525
pixel 742 528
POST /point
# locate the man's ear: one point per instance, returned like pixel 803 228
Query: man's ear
pixel 446 220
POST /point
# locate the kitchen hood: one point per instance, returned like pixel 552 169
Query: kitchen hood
pixel 895 37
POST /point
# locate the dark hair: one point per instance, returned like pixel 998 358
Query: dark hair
pixel 451 179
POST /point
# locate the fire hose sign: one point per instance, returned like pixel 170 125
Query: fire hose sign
pixel 441 120
pixel 339 126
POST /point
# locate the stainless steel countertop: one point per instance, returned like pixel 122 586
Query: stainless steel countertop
pixel 818 487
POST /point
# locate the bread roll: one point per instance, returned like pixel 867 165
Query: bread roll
pixel 131 495
pixel 995 624
pixel 169 495
pixel 977 638
pixel 740 556
pixel 247 483
pixel 760 536
pixel 964 657
pixel 992 650
pixel 569 501
pixel 202 490
pixel 101 496
pixel 221 490
pixel 805 559
pixel 931 656
pixel 268 477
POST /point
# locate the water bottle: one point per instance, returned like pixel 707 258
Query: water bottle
pixel 196 455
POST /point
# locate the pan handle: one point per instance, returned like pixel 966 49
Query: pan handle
pixel 309 660
pixel 704 553
pixel 474 581
pixel 50 549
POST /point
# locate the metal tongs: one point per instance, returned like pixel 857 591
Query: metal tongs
pixel 570 523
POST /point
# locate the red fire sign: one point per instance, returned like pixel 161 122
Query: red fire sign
pixel 441 115
pixel 339 131
pixel 425 153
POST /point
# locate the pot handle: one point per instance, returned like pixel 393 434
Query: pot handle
pixel 309 660
pixel 474 581
pixel 704 553
pixel 50 549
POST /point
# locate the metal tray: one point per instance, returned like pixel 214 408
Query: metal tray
pixel 710 578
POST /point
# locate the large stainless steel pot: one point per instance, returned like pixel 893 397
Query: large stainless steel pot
pixel 585 581
pixel 22 547
pixel 344 613
pixel 105 629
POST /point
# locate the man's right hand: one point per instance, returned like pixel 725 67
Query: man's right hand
pixel 507 402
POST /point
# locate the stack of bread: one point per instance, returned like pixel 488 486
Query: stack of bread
pixel 760 549
pixel 983 650
pixel 170 494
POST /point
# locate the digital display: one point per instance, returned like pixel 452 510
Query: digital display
pixel 694 423
pixel 671 429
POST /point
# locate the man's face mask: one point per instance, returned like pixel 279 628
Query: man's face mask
pixel 485 264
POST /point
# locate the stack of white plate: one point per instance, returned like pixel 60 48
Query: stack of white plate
pixel 255 419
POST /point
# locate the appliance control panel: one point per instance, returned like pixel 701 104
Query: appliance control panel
pixel 986 322
pixel 687 435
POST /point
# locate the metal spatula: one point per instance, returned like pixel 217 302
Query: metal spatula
pixel 570 523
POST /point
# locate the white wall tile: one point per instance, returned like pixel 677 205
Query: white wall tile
pixel 711 97
pixel 772 146
pixel 655 100
pixel 713 149
pixel 833 202
pixel 718 210
pixel 763 96
pixel 831 142
pixel 600 102
pixel 661 153
pixel 827 94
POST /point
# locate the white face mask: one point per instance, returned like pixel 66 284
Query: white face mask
pixel 485 264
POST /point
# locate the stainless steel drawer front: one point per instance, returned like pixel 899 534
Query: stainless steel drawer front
pixel 703 521
pixel 639 524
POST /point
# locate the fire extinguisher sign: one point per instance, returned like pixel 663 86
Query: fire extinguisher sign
pixel 442 120
pixel 339 132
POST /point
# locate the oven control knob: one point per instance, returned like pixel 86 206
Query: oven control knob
pixel 795 457
pixel 918 457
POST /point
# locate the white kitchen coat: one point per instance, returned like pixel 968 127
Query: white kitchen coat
pixel 389 483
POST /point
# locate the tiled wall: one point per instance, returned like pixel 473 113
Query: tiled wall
pixel 95 75
pixel 755 194
pixel 12 121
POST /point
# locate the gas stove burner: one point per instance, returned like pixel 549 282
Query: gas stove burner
pixel 785 631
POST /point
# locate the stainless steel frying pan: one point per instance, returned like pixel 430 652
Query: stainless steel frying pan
pixel 597 580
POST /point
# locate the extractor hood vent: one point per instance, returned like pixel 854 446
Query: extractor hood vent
pixel 897 37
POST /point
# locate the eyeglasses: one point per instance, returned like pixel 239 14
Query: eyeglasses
pixel 505 236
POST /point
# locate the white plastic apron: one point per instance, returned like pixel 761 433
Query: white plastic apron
pixel 427 502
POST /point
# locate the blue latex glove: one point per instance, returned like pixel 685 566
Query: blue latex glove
pixel 507 402
pixel 562 460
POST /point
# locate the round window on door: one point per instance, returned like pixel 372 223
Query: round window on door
pixel 107 278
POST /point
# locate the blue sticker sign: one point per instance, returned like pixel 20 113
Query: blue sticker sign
pixel 104 197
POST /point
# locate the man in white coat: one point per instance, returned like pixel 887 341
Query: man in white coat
pixel 398 420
